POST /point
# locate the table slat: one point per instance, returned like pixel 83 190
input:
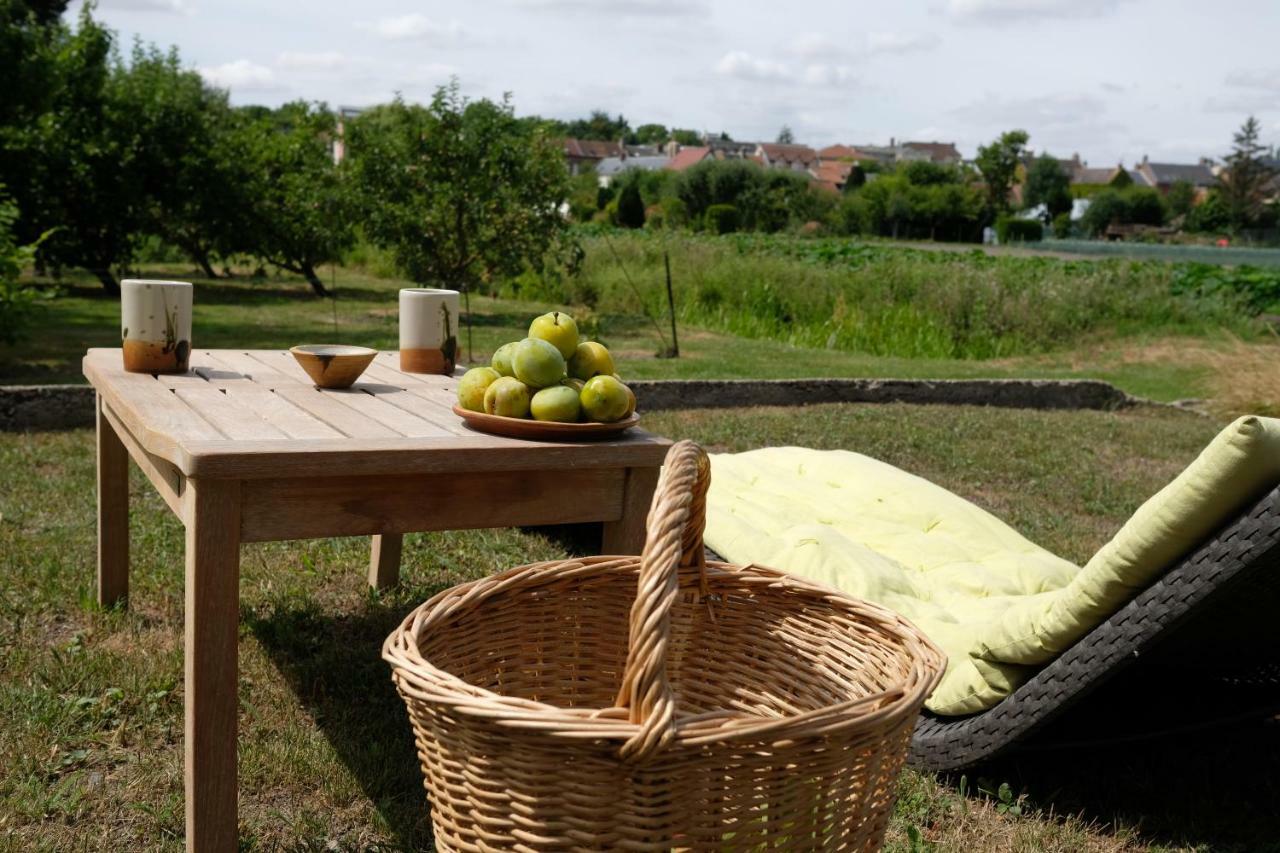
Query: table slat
pixel 238 421
pixel 280 412
pixel 253 368
pixel 347 420
pixel 146 406
pixel 377 406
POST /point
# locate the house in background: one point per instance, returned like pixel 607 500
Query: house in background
pixel 608 169
pixel 778 155
pixel 583 154
pixel 688 156
pixel 1163 176
pixel 833 174
pixel 943 153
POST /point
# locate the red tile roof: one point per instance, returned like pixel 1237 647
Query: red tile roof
pixel 687 157
pixel 839 152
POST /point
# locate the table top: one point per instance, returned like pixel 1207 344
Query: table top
pixel 252 414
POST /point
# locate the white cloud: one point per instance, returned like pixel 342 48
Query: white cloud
pixel 1009 11
pixel 330 60
pixel 633 8
pixel 744 66
pixel 900 42
pixel 144 6
pixel 416 27
pixel 826 75
pixel 815 46
pixel 1267 81
pixel 241 74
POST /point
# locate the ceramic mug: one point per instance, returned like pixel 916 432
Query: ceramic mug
pixel 428 330
pixel 155 325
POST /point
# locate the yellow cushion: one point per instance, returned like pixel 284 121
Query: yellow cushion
pixel 997 603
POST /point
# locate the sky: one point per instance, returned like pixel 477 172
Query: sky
pixel 1111 80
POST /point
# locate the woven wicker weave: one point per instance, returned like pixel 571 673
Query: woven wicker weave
pixel 658 702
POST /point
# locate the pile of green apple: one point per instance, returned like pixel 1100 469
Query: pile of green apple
pixel 549 376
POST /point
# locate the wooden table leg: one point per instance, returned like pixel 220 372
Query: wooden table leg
pixel 384 560
pixel 113 514
pixel 626 535
pixel 212 627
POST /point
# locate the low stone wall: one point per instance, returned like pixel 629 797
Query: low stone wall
pixel 45 407
pixel 1010 393
pixel 48 407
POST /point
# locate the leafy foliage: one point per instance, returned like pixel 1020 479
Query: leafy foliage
pixel 1010 229
pixel 461 192
pixel 630 206
pixel 1244 180
pixel 18 303
pixel 303 209
pixel 765 199
pixel 1048 184
pixel 1181 198
pixel 998 163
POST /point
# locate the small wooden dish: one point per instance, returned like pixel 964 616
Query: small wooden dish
pixel 333 365
pixel 543 430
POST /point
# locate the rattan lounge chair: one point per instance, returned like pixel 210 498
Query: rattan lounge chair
pixel 1154 667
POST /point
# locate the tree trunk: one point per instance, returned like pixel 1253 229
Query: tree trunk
pixel 109 283
pixel 317 286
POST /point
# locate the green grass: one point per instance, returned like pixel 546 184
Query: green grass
pixel 91 701
pixel 279 312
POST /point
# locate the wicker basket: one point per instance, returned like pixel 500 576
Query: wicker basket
pixel 717 707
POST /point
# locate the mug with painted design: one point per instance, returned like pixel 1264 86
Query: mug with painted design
pixel 155 325
pixel 428 330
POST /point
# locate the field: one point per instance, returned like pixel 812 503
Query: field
pixel 765 307
pixel 91 701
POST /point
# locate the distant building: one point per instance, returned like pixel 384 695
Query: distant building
pixel 1162 176
pixel 688 156
pixel 943 153
pixel 610 167
pixel 583 154
pixel 777 155
pixel 833 174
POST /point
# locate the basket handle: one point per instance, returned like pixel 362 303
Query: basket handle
pixel 673 542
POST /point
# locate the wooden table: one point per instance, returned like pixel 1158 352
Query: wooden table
pixel 245 449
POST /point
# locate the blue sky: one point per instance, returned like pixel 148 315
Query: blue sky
pixel 1110 79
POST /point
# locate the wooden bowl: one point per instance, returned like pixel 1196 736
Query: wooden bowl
pixel 543 430
pixel 333 365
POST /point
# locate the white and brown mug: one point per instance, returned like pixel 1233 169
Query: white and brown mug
pixel 155 325
pixel 428 330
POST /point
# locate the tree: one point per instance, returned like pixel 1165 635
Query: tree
pixel 1048 184
pixel 1244 180
pixel 1107 207
pixel 599 126
pixel 461 192
pixel 686 137
pixel 1181 198
pixel 17 302
pixel 785 136
pixel 1122 180
pixel 303 208
pixel 630 206
pixel 652 134
pixel 191 186
pixel 1146 206
pixel 998 163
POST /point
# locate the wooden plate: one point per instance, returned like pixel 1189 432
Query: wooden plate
pixel 542 430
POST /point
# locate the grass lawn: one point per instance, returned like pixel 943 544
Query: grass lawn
pixel 91 701
pixel 280 312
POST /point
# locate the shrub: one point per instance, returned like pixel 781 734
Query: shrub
pixel 1012 230
pixel 1062 225
pixel 674 212
pixel 1106 207
pixel 1146 206
pixel 722 218
pixel 17 302
pixel 653 218
pixel 850 215
pixel 1209 215
pixel 630 206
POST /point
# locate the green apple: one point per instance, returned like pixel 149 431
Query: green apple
pixel 557 403
pixel 501 361
pixel 590 359
pixel 557 329
pixel 537 363
pixel 604 399
pixel 508 397
pixel 472 386
pixel 631 401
